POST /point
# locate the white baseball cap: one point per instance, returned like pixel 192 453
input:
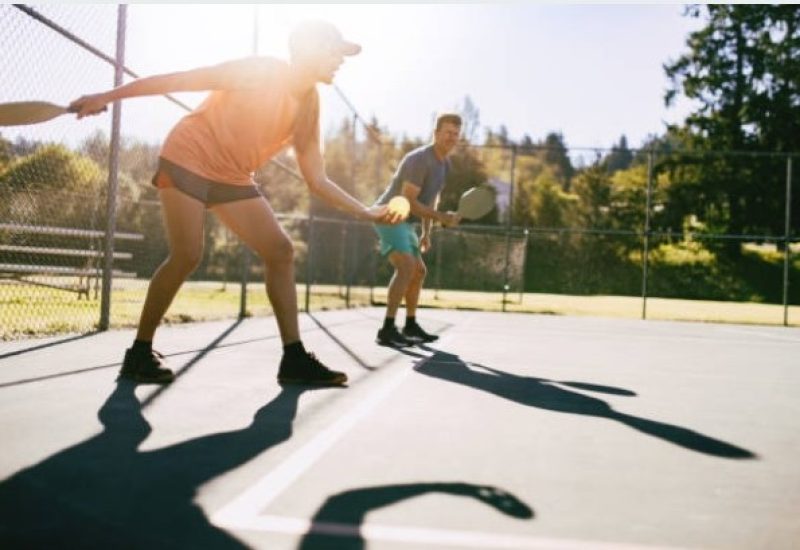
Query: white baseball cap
pixel 315 36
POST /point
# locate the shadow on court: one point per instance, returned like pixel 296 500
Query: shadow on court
pixel 104 493
pixel 215 344
pixel 550 395
pixel 58 342
pixel 337 523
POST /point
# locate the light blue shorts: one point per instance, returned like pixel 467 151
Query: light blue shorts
pixel 401 238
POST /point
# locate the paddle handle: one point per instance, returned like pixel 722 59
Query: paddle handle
pixel 75 109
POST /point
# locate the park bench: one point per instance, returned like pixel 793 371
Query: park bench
pixel 36 264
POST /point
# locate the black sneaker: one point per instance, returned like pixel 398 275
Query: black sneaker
pixel 307 369
pixel 146 367
pixel 391 337
pixel 415 333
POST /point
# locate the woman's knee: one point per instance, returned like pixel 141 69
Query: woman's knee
pixel 281 251
pixel 420 270
pixel 185 260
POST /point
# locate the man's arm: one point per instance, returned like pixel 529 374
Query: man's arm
pixel 428 214
pixel 427 223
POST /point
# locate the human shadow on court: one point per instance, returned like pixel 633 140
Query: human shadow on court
pixel 550 395
pixel 337 523
pixel 105 493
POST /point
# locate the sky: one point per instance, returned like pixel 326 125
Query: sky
pixel 592 72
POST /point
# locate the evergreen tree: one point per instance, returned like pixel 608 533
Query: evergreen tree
pixel 555 155
pixel 620 157
pixel 743 69
pixel 470 120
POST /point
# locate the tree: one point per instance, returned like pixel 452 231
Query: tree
pixel 138 162
pixel 526 145
pixel 54 186
pixel 23 147
pixel 542 202
pixel 470 120
pixel 620 157
pixel 593 188
pixel 743 69
pixel 555 155
pixel 53 167
pixel 497 138
pixel 6 153
pixel 340 161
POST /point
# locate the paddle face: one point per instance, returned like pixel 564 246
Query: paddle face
pixel 476 203
pixel 28 112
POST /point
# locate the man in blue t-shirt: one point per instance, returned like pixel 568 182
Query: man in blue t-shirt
pixel 420 178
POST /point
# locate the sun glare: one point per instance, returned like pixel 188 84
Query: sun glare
pixel 357 23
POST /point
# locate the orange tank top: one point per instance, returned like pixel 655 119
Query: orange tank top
pixel 234 132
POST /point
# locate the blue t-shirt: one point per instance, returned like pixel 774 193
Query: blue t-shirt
pixel 422 168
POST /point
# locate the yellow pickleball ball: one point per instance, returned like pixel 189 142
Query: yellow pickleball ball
pixel 400 205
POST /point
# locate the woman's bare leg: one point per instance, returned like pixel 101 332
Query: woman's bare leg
pixel 254 222
pixel 183 221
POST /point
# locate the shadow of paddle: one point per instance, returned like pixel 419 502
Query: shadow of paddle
pixel 337 523
pixel 105 493
pixel 550 395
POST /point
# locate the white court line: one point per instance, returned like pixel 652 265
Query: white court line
pixel 762 333
pixel 240 511
pixel 724 336
pixel 426 537
pixel 243 510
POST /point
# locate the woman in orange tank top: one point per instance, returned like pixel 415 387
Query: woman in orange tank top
pixel 257 106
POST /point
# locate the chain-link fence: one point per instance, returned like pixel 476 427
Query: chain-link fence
pixel 551 237
pixel 681 231
pixel 50 266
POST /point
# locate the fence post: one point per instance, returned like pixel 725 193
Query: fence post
pixel 509 224
pixel 524 267
pixel 646 244
pixel 373 276
pixel 437 244
pixel 245 277
pixel 245 249
pixel 348 263
pixel 787 252
pixel 113 179
pixel 378 171
pixel 309 255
